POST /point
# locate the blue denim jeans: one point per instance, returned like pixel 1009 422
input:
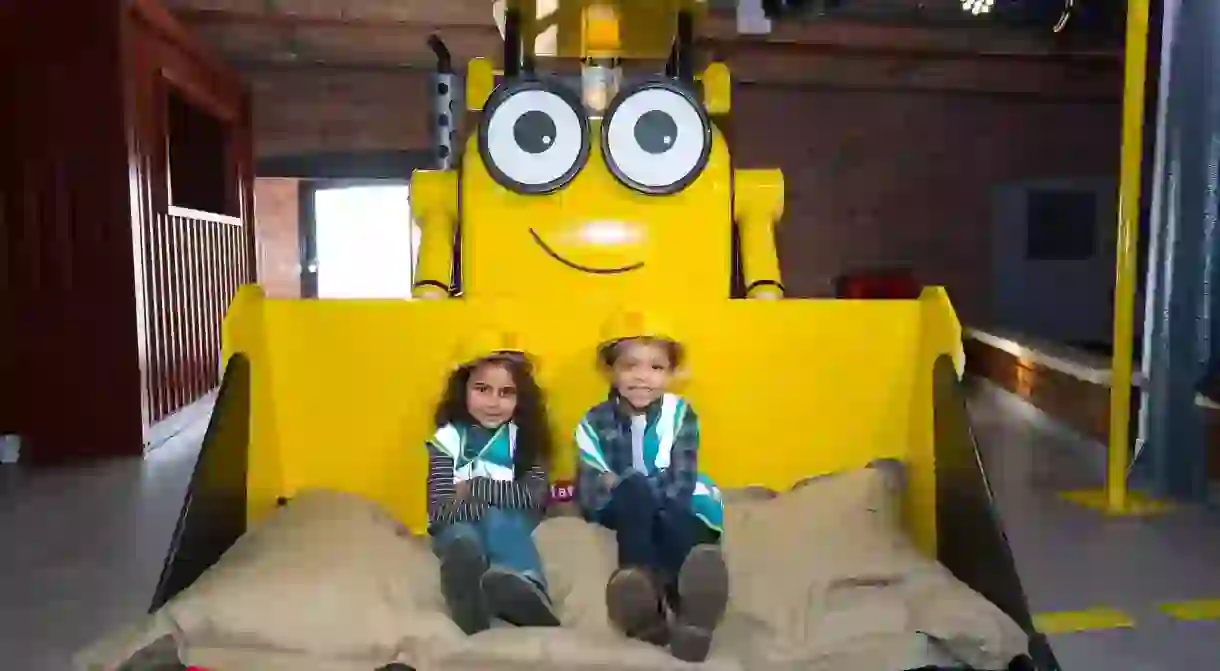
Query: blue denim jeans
pixel 506 537
pixel 652 533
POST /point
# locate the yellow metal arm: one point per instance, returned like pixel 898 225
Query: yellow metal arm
pixel 758 204
pixel 434 207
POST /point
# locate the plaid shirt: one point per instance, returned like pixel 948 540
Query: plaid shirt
pixel 612 426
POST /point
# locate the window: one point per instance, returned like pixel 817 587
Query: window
pixel 201 174
pixel 367 245
pixel 1061 225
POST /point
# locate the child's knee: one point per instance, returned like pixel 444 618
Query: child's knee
pixel 636 489
pixel 676 511
pixel 498 519
pixel 464 531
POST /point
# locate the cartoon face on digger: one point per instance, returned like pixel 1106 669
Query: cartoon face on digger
pixel 590 187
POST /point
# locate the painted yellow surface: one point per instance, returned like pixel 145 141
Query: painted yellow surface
pixel 480 80
pixel 1132 504
pixel 596 236
pixel 1127 256
pixel 344 389
pixel 1193 610
pixel 717 89
pixel 1093 619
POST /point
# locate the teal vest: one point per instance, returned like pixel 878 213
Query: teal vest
pixel 472 458
pixel 658 443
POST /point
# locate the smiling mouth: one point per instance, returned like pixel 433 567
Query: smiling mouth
pixel 595 271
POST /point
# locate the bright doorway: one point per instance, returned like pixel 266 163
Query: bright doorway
pixel 364 243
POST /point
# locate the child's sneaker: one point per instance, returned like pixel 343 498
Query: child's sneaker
pixel 462 569
pixel 517 599
pixel 634 606
pixel 703 590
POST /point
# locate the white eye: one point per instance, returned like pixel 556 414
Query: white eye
pixel 656 139
pixel 533 140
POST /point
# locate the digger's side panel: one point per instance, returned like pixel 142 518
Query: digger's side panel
pixel 244 332
pixel 971 540
pixel 214 513
pixel 939 334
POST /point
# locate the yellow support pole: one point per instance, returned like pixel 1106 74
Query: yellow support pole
pixel 1114 499
pixel 1134 78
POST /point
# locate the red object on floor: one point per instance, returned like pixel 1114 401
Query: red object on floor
pixel 897 283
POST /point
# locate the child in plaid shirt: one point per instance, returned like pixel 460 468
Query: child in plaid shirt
pixel 638 475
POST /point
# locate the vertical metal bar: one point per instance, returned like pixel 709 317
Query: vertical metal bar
pixel 1136 60
pixel 444 110
pixel 528 33
pixel 512 41
pixel 1182 271
pixel 684 46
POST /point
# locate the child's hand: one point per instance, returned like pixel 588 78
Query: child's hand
pixel 608 480
pixel 461 490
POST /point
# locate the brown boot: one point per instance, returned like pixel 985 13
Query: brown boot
pixel 634 605
pixel 703 595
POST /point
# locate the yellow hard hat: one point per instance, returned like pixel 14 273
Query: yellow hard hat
pixel 485 343
pixel 626 324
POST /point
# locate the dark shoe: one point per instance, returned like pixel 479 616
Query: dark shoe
pixel 462 569
pixel 703 590
pixel 635 606
pixel 516 599
pixel 160 655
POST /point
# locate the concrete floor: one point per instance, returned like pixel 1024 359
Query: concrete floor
pixel 1072 559
pixel 83 548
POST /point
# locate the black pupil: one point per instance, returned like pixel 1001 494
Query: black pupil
pixel 534 132
pixel 656 132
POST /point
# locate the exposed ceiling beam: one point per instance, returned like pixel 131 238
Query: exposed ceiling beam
pixel 447 12
pixel 829 54
pixel 719 30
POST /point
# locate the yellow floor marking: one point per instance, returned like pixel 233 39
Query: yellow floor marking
pixel 1138 505
pixel 1198 609
pixel 1093 619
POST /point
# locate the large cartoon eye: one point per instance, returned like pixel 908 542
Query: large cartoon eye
pixel 656 139
pixel 533 138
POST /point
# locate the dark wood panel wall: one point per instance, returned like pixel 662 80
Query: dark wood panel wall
pixel 88 284
pixel 75 385
pixel 190 262
pixel 195 266
pixel 8 213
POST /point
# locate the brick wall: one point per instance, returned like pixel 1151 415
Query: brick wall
pixel 906 177
pixel 277 224
pixel 873 177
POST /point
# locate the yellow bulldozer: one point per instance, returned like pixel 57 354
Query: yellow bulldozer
pixel 576 194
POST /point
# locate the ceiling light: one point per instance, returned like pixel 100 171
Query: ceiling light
pixel 977 7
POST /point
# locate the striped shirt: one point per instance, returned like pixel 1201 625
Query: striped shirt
pixel 524 493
